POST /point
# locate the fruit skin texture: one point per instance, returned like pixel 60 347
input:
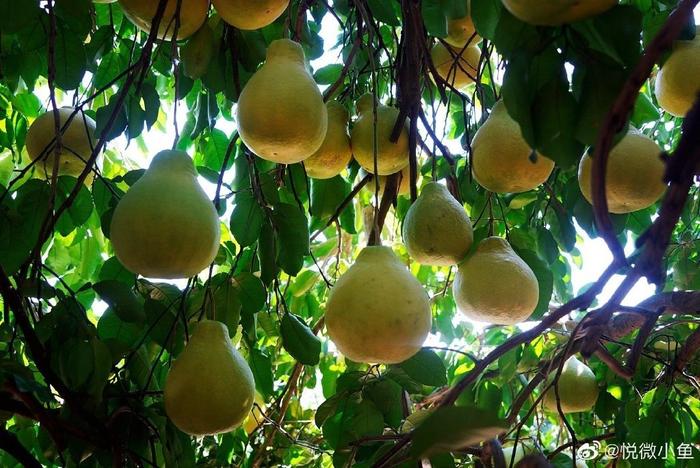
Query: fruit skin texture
pixel 198 52
pixel 281 114
pixel 678 82
pixel 436 229
pixel 457 69
pixel 494 285
pixel 556 12
pixel 335 153
pixel 391 157
pixel 166 226
pixel 578 390
pixel 501 157
pixel 250 14
pixel 193 13
pixel 634 177
pixel 210 388
pixel 76 141
pixel 378 312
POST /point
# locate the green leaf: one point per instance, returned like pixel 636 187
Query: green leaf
pixel 252 292
pixel 384 11
pixel 426 367
pixel 329 74
pixel 454 427
pixel 22 219
pixel 545 281
pixel 299 340
pixel 327 195
pixel 261 365
pixel 119 335
pixel 121 299
pixel 70 59
pixel 485 14
pixel 14 15
pixel 291 237
pixel 386 395
pixel 246 219
pixel 79 210
pixel 266 253
pixel 434 17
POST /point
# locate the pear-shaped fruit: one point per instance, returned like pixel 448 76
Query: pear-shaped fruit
pixel 502 161
pixel 77 140
pixel 281 114
pixel 378 311
pixel 193 13
pixel 461 30
pixel 335 153
pixel 454 66
pixel 678 81
pixel 210 388
pixel 577 388
pixel 391 157
pixel 494 285
pixel 198 52
pixel 250 14
pixel 634 176
pixel 556 12
pixel 165 226
pixel 437 230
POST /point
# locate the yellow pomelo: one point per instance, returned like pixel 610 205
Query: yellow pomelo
pixel 634 176
pixel 378 312
pixel 391 157
pixel 502 159
pixel 577 388
pixel 459 70
pixel 281 114
pixel 193 13
pixel 210 388
pixel 165 226
pixel 335 153
pixel 250 14
pixel 198 52
pixel 494 285
pixel 461 30
pixel 678 81
pixel 78 139
pixel 556 12
pixel 436 229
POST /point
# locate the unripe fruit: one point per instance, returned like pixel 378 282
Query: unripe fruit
pixel 193 13
pixel 458 69
pixel 335 153
pixel 501 158
pixel 281 114
pixel 77 141
pixel 165 226
pixel 391 157
pixel 556 12
pixel 494 285
pixel 378 312
pixel 250 14
pixel 436 229
pixel 210 388
pixel 634 176
pixel 577 388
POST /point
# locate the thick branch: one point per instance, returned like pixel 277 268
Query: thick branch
pixel 10 444
pixel 619 114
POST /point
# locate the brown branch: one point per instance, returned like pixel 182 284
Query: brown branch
pixel 619 114
pixel 390 190
pixel 328 93
pixel 10 444
pixel 287 395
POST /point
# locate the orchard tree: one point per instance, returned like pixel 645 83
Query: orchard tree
pixel 214 253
